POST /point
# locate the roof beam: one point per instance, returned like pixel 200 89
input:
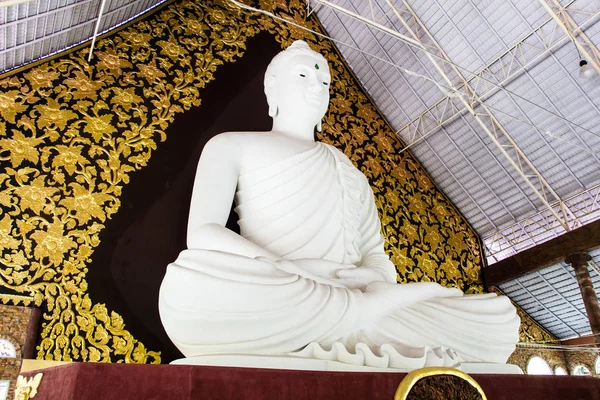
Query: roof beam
pixel 486 120
pixel 532 229
pixel 583 43
pixel 583 239
pixel 133 8
pixel 403 77
pixel 96 28
pixel 461 92
pixel 582 340
pixel 528 51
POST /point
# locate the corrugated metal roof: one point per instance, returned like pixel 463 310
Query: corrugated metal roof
pixel 552 297
pixel 39 28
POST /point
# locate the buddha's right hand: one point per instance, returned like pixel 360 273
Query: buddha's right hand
pixel 321 271
pixel 323 268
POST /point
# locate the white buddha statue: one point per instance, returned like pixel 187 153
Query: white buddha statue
pixel 308 276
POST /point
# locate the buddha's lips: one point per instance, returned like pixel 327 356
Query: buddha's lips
pixel 315 100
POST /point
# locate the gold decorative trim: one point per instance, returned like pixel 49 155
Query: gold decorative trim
pixel 27 388
pixel 15 300
pixel 412 378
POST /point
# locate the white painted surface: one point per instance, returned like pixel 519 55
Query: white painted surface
pixel 538 366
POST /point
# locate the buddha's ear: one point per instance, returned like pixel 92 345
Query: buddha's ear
pixel 270 92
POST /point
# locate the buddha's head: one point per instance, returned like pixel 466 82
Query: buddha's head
pixel 297 85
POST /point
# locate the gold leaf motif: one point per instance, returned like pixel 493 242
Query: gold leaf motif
pixel 53 115
pixel 84 87
pixel 9 106
pixel 20 147
pixel 171 49
pixel 52 243
pixel 111 61
pixel 125 98
pixel 99 126
pixel 41 77
pixel 69 157
pixel 7 241
pixel 151 73
pixel 136 39
pixel 34 195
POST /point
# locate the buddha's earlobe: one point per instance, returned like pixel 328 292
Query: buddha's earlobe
pixel 319 126
pixel 272 110
pixel 270 93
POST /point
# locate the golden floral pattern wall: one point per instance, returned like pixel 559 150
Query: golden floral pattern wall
pixel 73 134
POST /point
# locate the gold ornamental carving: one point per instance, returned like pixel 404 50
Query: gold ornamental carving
pixel 410 380
pixel 72 134
pixel 27 388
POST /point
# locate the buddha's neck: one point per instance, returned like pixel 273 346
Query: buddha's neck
pixel 297 130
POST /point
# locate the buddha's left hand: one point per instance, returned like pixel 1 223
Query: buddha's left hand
pixel 359 278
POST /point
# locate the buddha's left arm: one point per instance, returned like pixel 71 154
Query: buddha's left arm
pixel 371 241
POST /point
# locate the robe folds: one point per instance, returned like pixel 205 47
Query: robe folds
pixel 317 206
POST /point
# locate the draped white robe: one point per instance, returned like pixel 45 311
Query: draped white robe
pixel 317 205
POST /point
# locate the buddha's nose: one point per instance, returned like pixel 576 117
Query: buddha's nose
pixel 316 87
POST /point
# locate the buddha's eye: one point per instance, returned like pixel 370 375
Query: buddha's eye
pixel 302 75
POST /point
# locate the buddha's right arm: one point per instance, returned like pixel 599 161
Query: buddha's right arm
pixel 214 187
pixel 216 237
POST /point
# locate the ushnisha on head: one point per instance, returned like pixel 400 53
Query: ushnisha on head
pixel 297 85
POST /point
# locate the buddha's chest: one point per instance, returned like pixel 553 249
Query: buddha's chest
pixel 270 152
pixel 308 204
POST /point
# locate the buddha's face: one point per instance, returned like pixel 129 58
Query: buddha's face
pixel 301 88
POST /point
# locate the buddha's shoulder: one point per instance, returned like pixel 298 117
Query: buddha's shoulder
pixel 235 138
pixel 264 144
pixel 341 156
pixel 233 142
pixel 241 138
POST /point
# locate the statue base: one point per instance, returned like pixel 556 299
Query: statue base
pixel 313 364
pixel 95 381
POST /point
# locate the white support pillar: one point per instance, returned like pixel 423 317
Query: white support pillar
pixel 96 28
